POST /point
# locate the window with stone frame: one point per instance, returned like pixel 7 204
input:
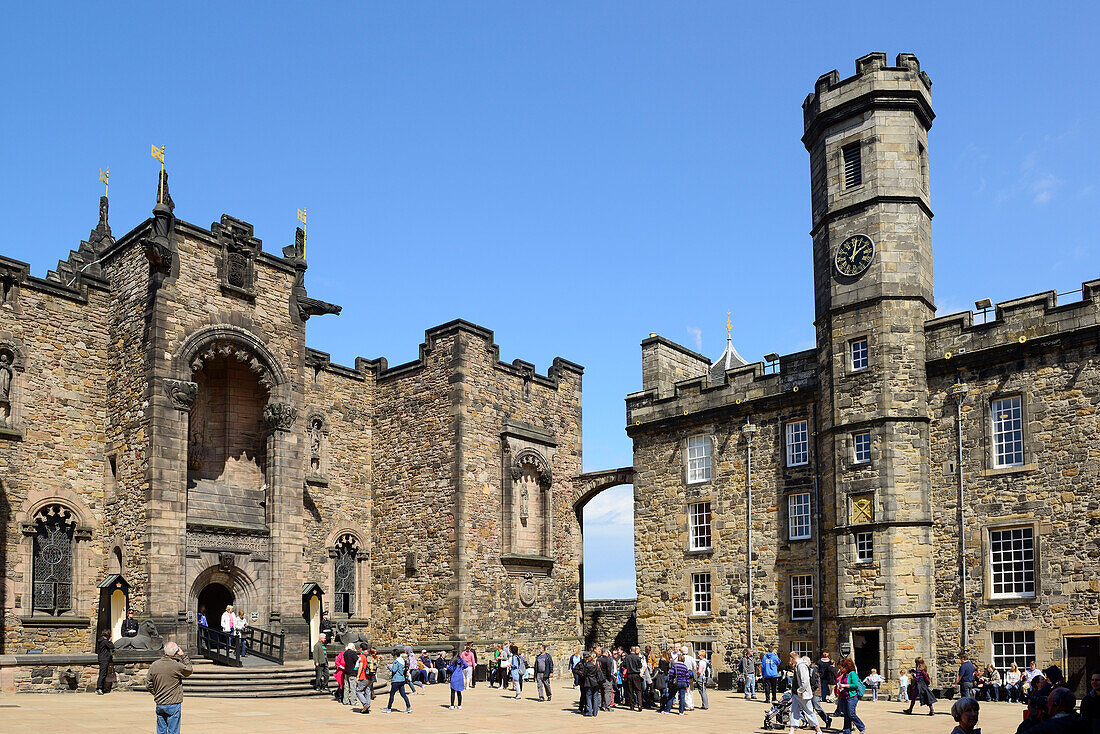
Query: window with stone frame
pixel 1008 431
pixel 345 571
pixel 802 597
pixel 698 459
pixel 700 594
pixel 1017 646
pixel 1012 563
pixel 798 516
pixel 798 443
pixel 862 509
pixel 803 648
pixel 699 519
pixel 865 547
pixel 52 560
pixel 858 351
pixel 861 447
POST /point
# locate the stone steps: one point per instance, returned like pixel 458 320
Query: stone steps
pixel 275 681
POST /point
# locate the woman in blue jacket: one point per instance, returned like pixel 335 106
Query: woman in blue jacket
pixel 456 672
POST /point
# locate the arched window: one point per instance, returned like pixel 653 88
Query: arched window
pixel 344 565
pixel 53 560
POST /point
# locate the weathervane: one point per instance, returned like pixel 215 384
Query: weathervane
pixel 729 327
pixel 105 177
pixel 302 219
pixel 158 153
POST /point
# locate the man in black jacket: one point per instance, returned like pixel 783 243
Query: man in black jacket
pixel 607 668
pixel 544 669
pixel 633 664
pixel 105 650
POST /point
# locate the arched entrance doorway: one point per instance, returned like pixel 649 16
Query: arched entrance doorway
pixel 213 599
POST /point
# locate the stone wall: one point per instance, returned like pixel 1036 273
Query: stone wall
pixel 70 674
pixel 610 622
pixel 54 451
pixel 1054 492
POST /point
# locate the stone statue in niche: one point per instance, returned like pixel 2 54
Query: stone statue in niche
pixel 7 289
pixel 316 429
pixel 6 378
pixel 524 505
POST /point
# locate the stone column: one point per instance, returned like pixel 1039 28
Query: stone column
pixel 285 480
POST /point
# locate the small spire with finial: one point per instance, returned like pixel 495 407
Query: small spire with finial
pixel 729 327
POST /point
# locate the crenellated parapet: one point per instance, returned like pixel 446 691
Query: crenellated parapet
pixel 380 370
pixel 1022 323
pixel 875 84
pixel 748 388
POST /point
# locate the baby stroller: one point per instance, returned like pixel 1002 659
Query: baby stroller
pixel 779 715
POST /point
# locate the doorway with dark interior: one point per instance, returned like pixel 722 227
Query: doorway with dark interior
pixel 213 599
pixel 1082 659
pixel 866 651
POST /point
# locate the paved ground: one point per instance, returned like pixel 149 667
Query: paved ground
pixel 485 710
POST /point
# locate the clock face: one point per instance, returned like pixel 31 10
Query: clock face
pixel 855 255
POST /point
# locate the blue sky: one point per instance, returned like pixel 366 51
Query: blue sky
pixel 573 176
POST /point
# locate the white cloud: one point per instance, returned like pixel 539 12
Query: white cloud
pixel 697 335
pixel 1043 189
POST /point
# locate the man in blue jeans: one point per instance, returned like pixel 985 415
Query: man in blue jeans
pixel 165 682
pixel 965 679
pixel 748 672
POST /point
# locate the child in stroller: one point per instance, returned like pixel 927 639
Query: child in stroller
pixel 779 715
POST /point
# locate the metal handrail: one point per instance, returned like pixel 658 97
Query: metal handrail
pixel 266 644
pixel 221 647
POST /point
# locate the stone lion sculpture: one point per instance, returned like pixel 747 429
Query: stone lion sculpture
pixel 147 638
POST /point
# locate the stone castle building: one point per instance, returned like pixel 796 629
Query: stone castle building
pixel 169 442
pixel 842 467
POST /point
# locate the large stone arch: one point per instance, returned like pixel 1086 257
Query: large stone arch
pixel 229 340
pixel 586 486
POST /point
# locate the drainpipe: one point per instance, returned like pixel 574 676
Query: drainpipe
pixel 749 430
pixel 817 540
pixel 958 392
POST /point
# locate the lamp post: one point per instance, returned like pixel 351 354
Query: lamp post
pixel 958 392
pixel 749 430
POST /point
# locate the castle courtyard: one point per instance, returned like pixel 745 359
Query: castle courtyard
pixel 486 710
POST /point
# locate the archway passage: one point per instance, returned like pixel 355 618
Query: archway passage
pixel 604 504
pixel 213 599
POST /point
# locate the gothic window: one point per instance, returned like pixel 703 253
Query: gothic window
pixel 52 560
pixel 344 565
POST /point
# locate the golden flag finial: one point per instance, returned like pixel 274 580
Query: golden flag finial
pixel 105 177
pixel 302 218
pixel 158 153
pixel 729 327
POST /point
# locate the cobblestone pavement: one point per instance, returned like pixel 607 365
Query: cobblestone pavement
pixel 485 710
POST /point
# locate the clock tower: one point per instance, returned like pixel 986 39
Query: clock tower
pixel 867 136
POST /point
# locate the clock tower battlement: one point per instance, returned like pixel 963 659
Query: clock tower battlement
pixel 867 137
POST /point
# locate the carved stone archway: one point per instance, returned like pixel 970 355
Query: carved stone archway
pixel 587 486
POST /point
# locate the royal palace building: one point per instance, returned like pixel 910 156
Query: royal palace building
pixel 913 485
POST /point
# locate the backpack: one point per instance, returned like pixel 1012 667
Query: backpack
pixel 860 689
pixel 815 679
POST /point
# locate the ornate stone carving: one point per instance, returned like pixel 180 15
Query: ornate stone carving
pixel 545 479
pixel 316 440
pixel 528 590
pixel 524 504
pixel 238 352
pixel 182 393
pixel 279 416
pixel 160 258
pixel 239 251
pixel 225 561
